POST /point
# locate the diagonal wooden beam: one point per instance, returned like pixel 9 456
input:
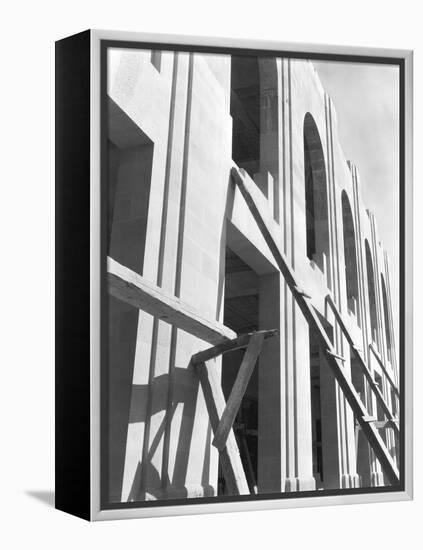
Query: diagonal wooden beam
pixel 374 387
pixel 126 285
pixel 230 459
pixel 382 454
pixel 238 390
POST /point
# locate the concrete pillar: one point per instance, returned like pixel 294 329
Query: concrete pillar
pixel 334 402
pixel 331 445
pixel 285 442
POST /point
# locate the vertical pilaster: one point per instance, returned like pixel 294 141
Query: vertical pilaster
pixel 364 452
pixel 298 445
pixel 337 417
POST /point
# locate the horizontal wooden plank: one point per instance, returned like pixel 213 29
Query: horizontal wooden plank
pixel 232 345
pixel 126 285
pixel 381 424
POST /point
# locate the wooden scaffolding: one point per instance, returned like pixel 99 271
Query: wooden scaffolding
pixel 133 289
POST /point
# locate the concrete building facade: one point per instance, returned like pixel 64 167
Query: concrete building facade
pixel 178 123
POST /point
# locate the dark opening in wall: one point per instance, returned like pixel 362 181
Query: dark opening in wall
pixel 309 194
pixel 241 314
pixel 372 294
pixel 357 378
pixel 122 338
pixel 316 411
pixel 379 411
pixel 394 403
pixel 130 156
pixel 350 254
pixel 361 443
pixel 316 199
pixel 386 319
pixel 245 112
pixel 321 416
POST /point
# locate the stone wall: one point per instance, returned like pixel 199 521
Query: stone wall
pixel 189 212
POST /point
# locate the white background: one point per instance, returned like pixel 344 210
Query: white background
pixel 28 32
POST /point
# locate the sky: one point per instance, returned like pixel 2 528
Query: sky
pixel 366 99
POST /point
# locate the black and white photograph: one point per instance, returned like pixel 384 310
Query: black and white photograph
pixel 253 277
pixel 210 296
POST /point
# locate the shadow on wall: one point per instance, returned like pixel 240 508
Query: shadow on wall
pixel 128 402
pixel 230 196
pixel 181 379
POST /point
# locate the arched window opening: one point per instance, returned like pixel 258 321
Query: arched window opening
pixel 372 293
pixel 316 199
pixel 386 319
pixel 350 254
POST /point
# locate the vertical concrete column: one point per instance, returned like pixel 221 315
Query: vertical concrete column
pixel 379 305
pixel 344 437
pixel 331 447
pixel 270 118
pixel 365 458
pixel 296 365
pixel 395 443
pixel 284 445
pixel 388 435
pixel 191 466
pixel 350 476
pixel 301 407
pixel 376 471
pixel 391 322
pixel 157 478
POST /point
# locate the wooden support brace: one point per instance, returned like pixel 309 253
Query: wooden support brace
pixel 230 459
pixel 302 292
pixel 251 479
pixel 383 424
pixel 380 424
pixel 238 390
pixel 329 352
pixel 367 418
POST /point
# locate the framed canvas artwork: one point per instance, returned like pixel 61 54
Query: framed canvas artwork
pixel 233 275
